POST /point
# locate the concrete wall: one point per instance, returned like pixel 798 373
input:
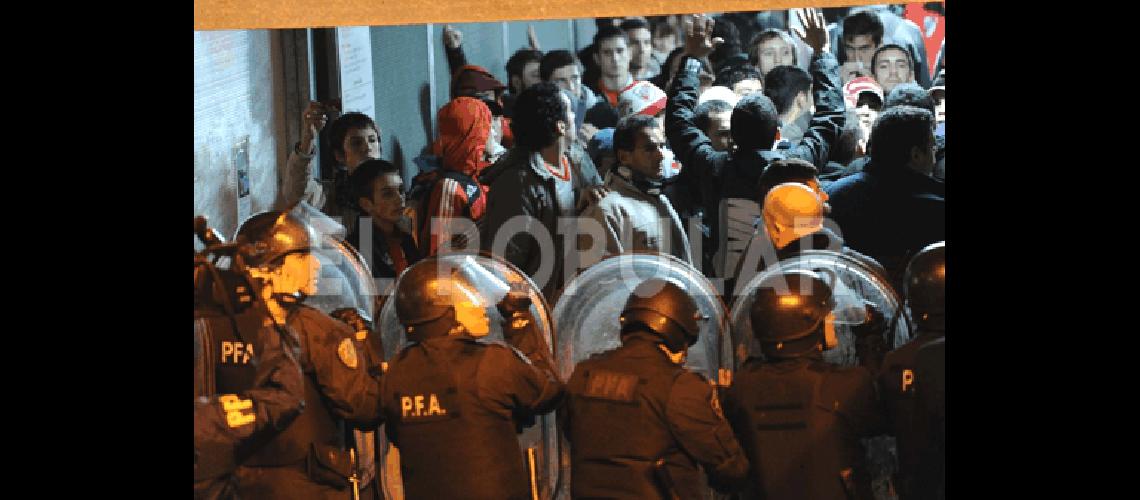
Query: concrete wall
pixel 237 94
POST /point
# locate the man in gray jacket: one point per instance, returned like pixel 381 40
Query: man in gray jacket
pixel 634 214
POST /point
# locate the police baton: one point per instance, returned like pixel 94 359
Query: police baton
pixel 533 469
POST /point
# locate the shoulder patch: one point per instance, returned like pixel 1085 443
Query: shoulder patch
pixel 346 351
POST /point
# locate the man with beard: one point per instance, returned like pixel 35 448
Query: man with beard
pixel 533 180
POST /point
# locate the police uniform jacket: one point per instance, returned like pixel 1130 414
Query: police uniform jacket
pixel 228 427
pixel 800 421
pixel 930 374
pixel 453 405
pixel 309 459
pixel 897 385
pixel 627 408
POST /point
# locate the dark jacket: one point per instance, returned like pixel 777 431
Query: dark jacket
pixel 381 261
pixel 800 421
pixel 897 382
pixel 309 458
pixel 930 372
pixel 721 174
pixel 226 425
pixel 630 406
pixel 452 406
pixel 521 185
pixel 889 214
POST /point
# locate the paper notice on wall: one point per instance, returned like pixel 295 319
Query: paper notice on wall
pixel 241 175
pixel 354 51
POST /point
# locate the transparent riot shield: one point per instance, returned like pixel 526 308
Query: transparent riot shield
pixel 853 285
pixel 587 310
pixel 345 279
pixel 492 278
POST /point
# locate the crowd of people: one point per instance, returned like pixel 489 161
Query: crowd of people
pixel 660 136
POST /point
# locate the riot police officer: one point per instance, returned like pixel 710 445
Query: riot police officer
pixel 227 427
pixel 638 422
pixel 454 400
pixel 230 426
pixel 310 458
pixel 924 286
pixel 930 372
pixel 800 418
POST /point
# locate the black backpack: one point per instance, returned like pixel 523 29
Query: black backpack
pixel 420 193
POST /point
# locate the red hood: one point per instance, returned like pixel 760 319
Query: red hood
pixel 464 125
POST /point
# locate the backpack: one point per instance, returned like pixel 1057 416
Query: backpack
pixel 419 195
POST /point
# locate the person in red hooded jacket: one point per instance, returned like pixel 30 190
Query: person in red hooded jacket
pixel 464 133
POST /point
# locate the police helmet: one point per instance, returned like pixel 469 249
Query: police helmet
pixel 666 309
pixel 924 283
pixel 789 312
pixel 429 299
pixel 271 236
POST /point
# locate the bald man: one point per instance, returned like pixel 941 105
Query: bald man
pixel 792 212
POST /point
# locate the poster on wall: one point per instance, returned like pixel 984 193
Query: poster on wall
pixel 241 174
pixel 354 50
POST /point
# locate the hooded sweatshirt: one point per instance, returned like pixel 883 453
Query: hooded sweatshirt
pixel 464 125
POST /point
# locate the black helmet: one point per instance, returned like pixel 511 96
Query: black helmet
pixel 667 310
pixel 272 236
pixel 788 307
pixel 427 297
pixel 924 283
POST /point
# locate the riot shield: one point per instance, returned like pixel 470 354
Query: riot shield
pixel 853 283
pixel 345 279
pixel 491 278
pixel 587 310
